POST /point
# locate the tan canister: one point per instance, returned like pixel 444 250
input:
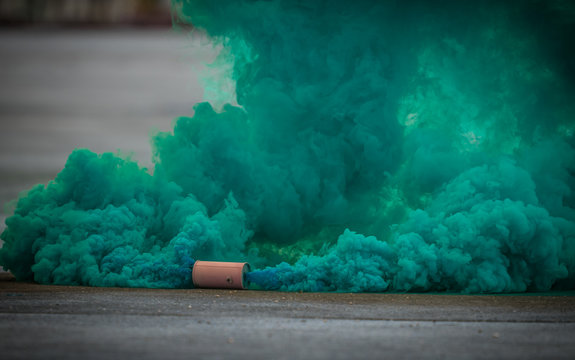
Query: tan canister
pixel 220 275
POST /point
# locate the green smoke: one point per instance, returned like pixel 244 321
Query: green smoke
pixel 375 146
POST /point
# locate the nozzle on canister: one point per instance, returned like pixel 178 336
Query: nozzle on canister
pixel 220 275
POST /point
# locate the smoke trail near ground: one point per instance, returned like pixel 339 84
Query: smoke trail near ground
pixel 375 146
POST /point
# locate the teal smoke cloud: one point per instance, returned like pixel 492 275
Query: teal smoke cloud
pixel 374 146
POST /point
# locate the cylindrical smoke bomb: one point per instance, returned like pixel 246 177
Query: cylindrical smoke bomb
pixel 220 275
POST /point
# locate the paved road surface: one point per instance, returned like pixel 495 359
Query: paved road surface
pixel 58 322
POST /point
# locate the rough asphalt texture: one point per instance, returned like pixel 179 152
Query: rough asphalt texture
pixel 61 322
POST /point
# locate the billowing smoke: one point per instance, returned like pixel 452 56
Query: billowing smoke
pixel 374 146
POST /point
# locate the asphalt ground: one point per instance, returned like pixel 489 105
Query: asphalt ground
pixel 69 322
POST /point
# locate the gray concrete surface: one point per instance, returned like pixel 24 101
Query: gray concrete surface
pixel 59 322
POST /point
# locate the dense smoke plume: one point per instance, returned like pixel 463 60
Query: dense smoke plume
pixel 373 146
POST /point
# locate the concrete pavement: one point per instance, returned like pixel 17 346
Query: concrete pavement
pixel 62 322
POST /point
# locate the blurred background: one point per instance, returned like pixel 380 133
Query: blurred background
pixel 85 12
pixel 97 74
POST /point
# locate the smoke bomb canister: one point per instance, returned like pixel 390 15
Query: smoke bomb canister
pixel 220 275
